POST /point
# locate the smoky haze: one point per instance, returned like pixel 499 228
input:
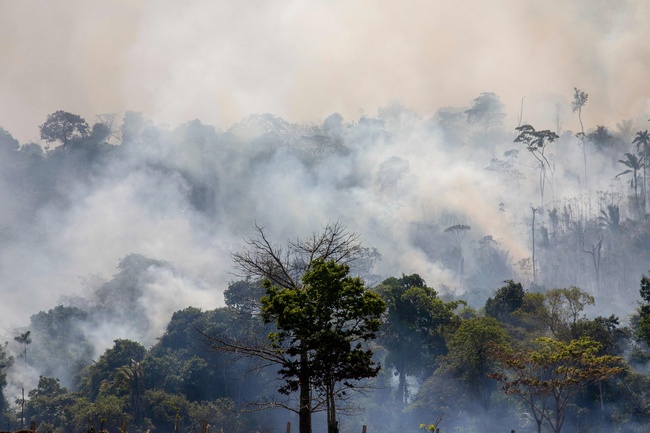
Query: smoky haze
pixel 303 60
pixel 400 165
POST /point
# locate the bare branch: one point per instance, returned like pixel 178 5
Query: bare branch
pixel 284 268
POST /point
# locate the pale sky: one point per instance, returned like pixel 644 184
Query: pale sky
pixel 220 61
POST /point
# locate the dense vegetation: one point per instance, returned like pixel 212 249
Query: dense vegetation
pixel 484 344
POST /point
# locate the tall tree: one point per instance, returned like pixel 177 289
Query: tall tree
pixel 298 279
pixel 6 362
pixel 24 339
pixel 642 141
pixel 579 101
pixel 536 143
pixel 414 328
pixel 488 110
pixel 51 404
pixel 130 379
pixel 63 127
pixel 320 330
pixel 644 322
pixel 634 164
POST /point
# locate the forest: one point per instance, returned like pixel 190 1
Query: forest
pixel 402 271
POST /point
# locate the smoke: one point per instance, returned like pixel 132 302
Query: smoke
pixel 300 60
pixel 184 195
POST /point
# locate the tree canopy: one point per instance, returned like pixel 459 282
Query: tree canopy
pixel 63 127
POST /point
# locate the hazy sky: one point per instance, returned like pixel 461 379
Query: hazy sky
pixel 304 59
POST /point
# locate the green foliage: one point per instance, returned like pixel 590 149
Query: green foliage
pixel 644 320
pixel 324 318
pixel 128 380
pixel 122 353
pixel 181 329
pixel 507 299
pixel 320 329
pixel 564 308
pixel 244 295
pixel 549 376
pixel 107 411
pixel 51 403
pixel 6 361
pixel 604 330
pixel 415 326
pixel 60 347
pixel 469 359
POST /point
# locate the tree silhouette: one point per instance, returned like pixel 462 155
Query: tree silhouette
pixel 642 141
pixel 536 142
pixel 24 339
pixel 579 101
pixel 635 164
pixel 64 127
pixel 612 218
pixel 487 110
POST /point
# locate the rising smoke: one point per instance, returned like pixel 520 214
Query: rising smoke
pixel 184 194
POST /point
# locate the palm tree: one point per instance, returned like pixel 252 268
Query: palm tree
pixel 130 378
pixel 610 219
pixel 642 141
pixel 635 164
pixel 625 128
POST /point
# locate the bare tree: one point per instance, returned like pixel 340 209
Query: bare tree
pixel 284 266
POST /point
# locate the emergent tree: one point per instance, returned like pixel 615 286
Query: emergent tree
pixel 321 327
pixel 536 142
pixel 63 126
pixel 634 164
pixel 642 141
pixel 322 317
pixel 579 101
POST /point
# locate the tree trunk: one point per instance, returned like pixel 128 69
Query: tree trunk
pixel 304 413
pixel 402 389
pixel 533 233
pixel 332 423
